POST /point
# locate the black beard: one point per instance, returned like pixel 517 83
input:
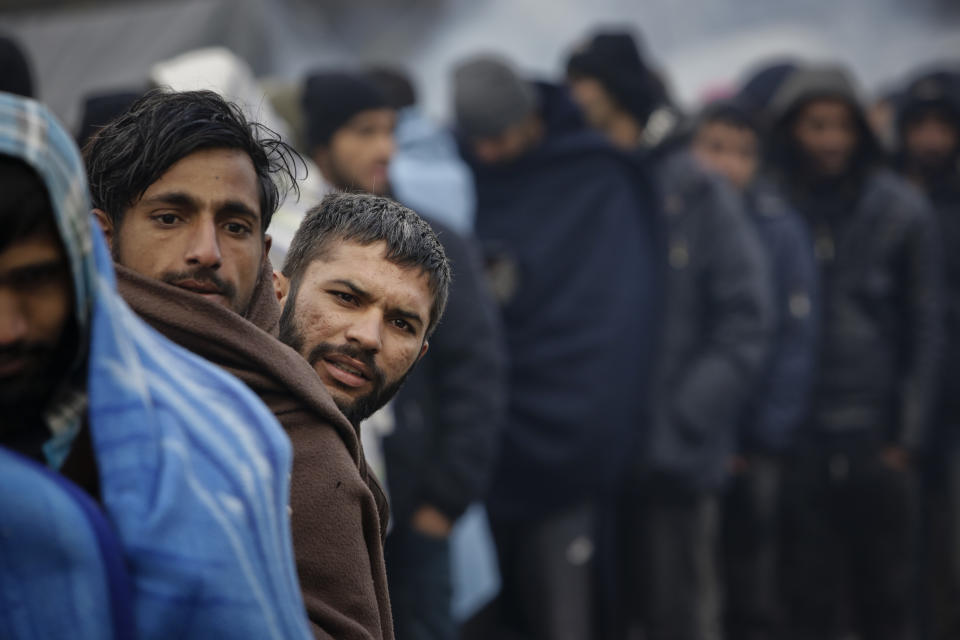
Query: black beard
pixel 933 171
pixel 360 408
pixel 26 398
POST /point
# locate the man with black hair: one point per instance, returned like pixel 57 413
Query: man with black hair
pixel 145 491
pixel 726 140
pixel 928 154
pixel 446 420
pixel 717 325
pixel 349 130
pixel 184 187
pixel 851 489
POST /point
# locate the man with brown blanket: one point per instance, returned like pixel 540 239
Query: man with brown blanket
pixel 183 186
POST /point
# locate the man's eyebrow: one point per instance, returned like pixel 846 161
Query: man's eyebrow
pixel 235 207
pixel 45 265
pixel 175 198
pixel 186 201
pixel 363 295
pixel 354 289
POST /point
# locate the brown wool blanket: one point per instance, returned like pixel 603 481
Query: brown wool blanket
pixel 339 511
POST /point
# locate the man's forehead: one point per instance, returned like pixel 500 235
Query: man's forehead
pixel 224 173
pixel 349 252
pixel 42 246
pixel 828 105
pixel 367 264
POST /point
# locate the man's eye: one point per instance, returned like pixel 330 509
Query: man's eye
pixel 36 276
pixel 345 297
pixel 238 228
pixel 166 219
pixel 403 325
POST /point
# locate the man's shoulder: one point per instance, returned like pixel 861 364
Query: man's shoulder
pixel 588 151
pixel 895 196
pixel 145 372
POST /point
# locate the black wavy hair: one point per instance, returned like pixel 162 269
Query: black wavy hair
pixel 134 150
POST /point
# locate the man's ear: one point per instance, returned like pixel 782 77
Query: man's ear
pixel 423 349
pixel 106 224
pixel 321 158
pixel 267 243
pixel 281 286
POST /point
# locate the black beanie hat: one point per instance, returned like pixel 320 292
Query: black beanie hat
pixel 613 58
pixel 933 89
pixel 100 108
pixel 730 111
pixel 330 99
pixel 759 89
pixel 14 69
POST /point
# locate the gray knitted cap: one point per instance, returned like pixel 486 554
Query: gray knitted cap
pixel 489 96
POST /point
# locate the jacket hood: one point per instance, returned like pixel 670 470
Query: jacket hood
pixel 805 85
pixel 30 133
pixel 810 83
pixel 938 89
pixel 559 112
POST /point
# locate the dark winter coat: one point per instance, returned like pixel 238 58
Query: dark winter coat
pixel 573 226
pixel 879 264
pixel 717 325
pixel 779 404
pixel 939 91
pixel 946 204
pixel 450 410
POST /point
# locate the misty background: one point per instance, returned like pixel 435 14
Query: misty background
pixel 81 46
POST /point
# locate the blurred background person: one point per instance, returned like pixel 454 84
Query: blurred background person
pixel 349 130
pixel 426 171
pixel 442 429
pixel 563 215
pixel 16 76
pixel 928 154
pixel 100 108
pixel 716 329
pixel 727 140
pixel 852 485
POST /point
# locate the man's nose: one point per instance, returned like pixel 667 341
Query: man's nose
pixel 204 247
pixel 364 331
pixel 13 322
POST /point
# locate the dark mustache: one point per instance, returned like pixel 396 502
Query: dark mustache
pixel 201 274
pixel 361 355
pixel 19 350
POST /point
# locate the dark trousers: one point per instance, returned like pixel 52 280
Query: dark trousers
pixel 851 533
pixel 940 596
pixel 671 583
pixel 750 551
pixel 547 571
pixel 418 573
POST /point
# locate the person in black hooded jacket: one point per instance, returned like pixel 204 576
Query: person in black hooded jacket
pixel 717 325
pixel 727 140
pixel 928 154
pixel 571 241
pixel 851 486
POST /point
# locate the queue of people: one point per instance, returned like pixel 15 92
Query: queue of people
pixel 683 376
